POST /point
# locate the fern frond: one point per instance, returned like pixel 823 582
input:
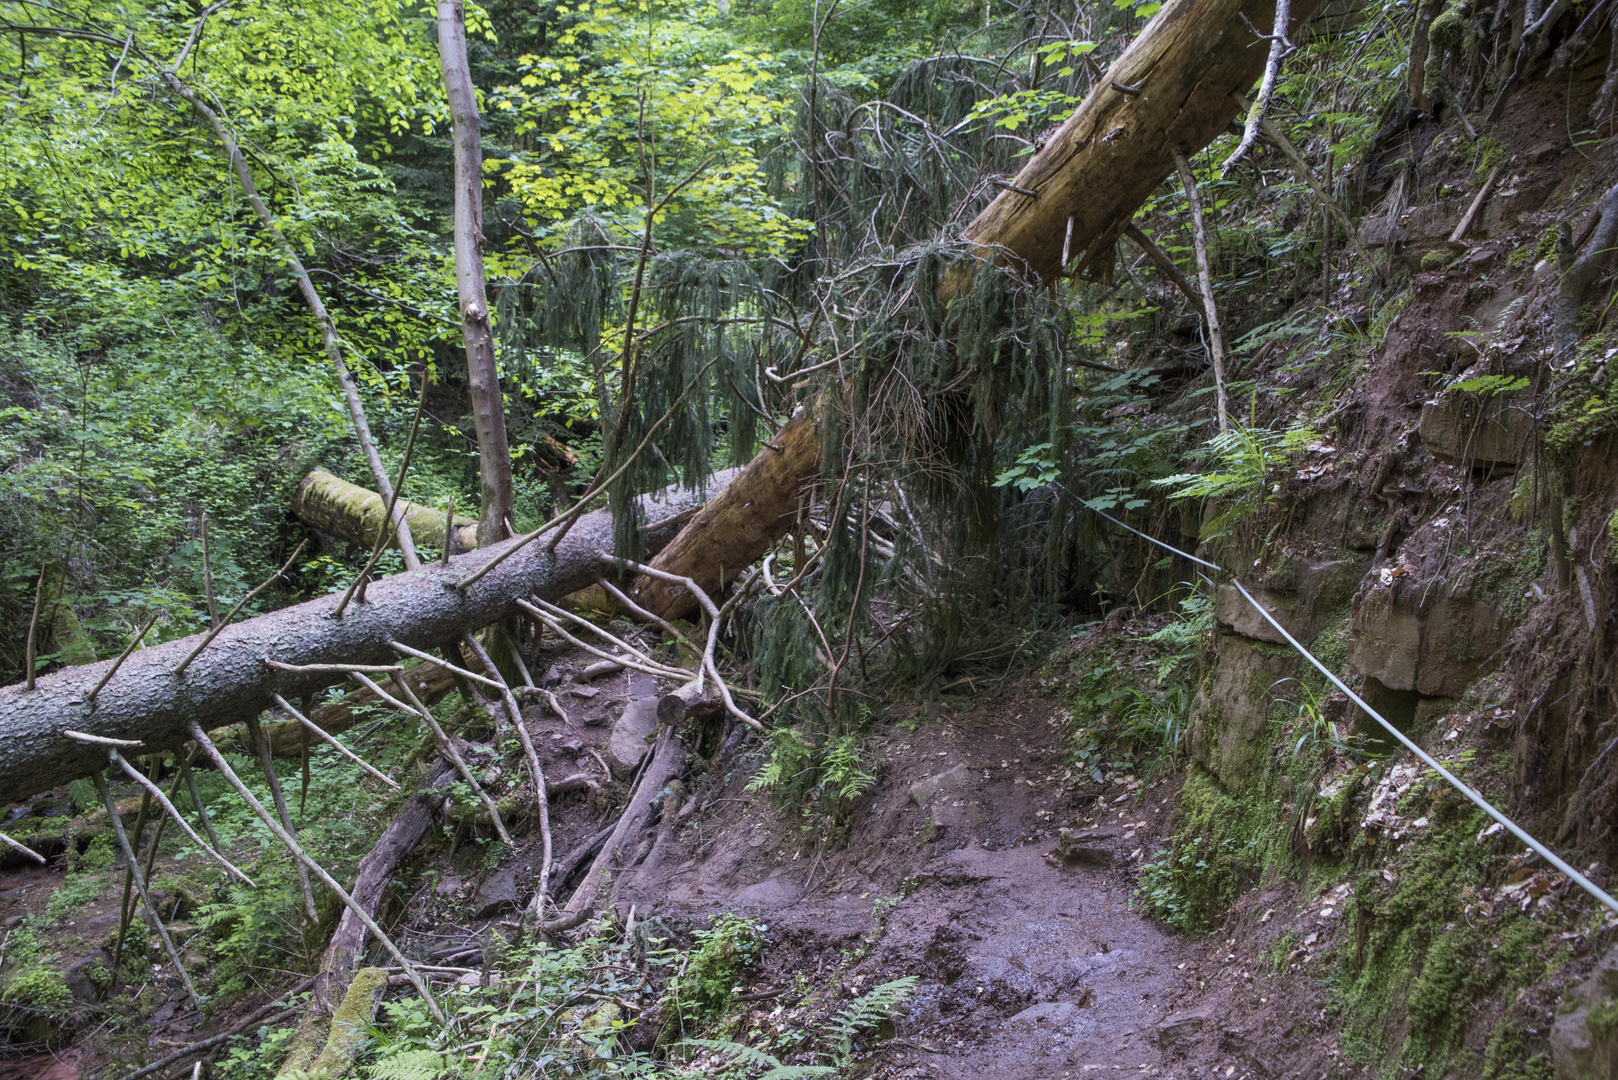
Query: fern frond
pixel 737 1050
pixel 868 1011
pixel 797 1072
pixel 409 1065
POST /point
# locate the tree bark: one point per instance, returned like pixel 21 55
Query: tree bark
pixel 1171 87
pixel 229 681
pixel 350 512
pixel 739 525
pixel 483 378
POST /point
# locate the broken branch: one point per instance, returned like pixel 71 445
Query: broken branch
pixel 303 858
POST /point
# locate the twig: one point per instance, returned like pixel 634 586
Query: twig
pixel 196 798
pixel 303 858
pixel 640 612
pixel 30 852
pixel 712 610
pixel 562 612
pixel 444 743
pixel 371 669
pixel 556 707
pixel 163 801
pixel 256 731
pixel 514 712
pixel 99 740
pixel 398 646
pixel 568 516
pixel 207 575
pixel 33 627
pixel 1216 334
pixel 1279 48
pixel 116 664
pixel 140 885
pixel 243 602
pixel 381 542
pixel 621 661
pixel 331 739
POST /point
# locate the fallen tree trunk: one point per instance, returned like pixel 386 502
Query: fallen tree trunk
pixel 1171 87
pixel 350 512
pixel 231 681
pixel 738 526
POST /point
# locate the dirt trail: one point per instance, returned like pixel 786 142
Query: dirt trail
pixel 1033 958
pixel 1031 965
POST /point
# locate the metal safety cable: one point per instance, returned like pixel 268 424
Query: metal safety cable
pixel 1595 891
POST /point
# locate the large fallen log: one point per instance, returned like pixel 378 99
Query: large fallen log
pixel 738 526
pixel 231 680
pixel 1171 87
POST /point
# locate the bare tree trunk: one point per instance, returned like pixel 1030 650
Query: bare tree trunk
pixel 317 307
pixel 734 530
pixel 1216 333
pixel 231 681
pixel 482 376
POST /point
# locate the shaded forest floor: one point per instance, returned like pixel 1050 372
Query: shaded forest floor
pixel 979 862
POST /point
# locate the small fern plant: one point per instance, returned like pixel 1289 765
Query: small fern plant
pixel 754 1058
pixel 864 1013
pixel 860 1015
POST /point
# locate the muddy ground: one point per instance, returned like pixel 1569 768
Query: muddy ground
pixel 1033 957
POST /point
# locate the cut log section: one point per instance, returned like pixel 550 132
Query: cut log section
pixel 350 512
pixel 1171 87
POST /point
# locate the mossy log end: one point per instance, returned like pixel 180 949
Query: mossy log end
pixel 350 512
pixel 738 526
pixel 230 681
pixel 1171 87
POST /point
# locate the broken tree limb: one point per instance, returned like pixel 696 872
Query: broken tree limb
pixel 1210 310
pixel 331 740
pixel 28 851
pixel 291 843
pixel 350 512
pixel 710 665
pixel 445 744
pixel 1279 47
pixel 140 884
pixel 267 761
pixel 739 525
pixel 1164 264
pixel 230 681
pixel 1104 161
pixel 163 801
pixel 514 714
pixel 311 295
